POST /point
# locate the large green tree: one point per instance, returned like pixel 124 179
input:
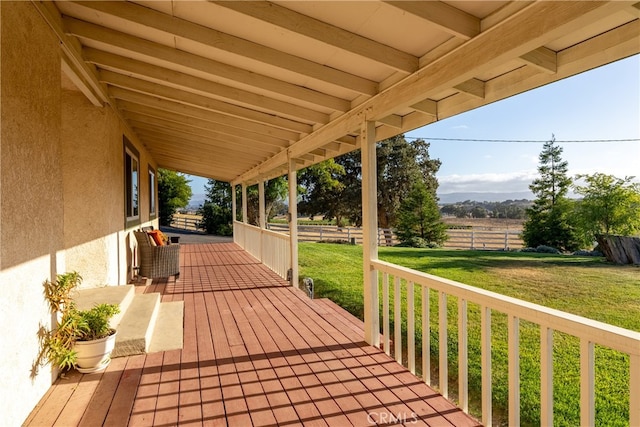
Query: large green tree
pixel 216 210
pixel 419 222
pixel 321 191
pixel 609 205
pixel 551 221
pixel 174 193
pixel 400 164
pixel 275 190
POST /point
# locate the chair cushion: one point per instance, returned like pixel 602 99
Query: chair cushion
pixel 156 237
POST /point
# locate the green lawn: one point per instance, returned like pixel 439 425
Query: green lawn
pixel 585 286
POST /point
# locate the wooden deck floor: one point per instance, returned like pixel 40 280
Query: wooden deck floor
pixel 256 352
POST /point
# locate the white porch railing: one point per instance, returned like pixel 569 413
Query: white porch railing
pixel 271 248
pixel 589 333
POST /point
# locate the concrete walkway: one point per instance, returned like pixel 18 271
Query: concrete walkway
pixel 195 237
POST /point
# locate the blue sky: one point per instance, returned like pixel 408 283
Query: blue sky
pixel 600 104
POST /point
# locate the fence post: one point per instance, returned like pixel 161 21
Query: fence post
pixel 473 240
pixel 349 234
pixel 320 232
pixel 506 240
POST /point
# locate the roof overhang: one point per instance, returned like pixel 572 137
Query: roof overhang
pixel 237 91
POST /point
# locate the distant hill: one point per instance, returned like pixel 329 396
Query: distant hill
pixel 484 197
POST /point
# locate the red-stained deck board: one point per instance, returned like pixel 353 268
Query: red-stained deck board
pixel 256 353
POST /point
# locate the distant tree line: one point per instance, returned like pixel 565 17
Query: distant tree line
pixel 512 209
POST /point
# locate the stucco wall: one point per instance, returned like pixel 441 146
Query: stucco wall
pixel 61 197
pixel 31 214
pixel 93 177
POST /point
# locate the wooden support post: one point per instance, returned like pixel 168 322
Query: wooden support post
pixel 244 203
pixel 370 232
pixel 293 221
pixel 261 208
pixel 234 204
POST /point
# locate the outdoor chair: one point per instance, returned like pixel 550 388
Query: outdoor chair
pixel 157 261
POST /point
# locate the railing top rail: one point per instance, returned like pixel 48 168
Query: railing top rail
pixel 614 337
pixel 261 230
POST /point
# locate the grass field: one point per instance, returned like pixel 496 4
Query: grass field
pixel 585 286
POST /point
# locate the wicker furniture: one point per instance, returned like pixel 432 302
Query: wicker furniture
pixel 157 261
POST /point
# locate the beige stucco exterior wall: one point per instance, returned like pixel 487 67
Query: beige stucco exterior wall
pixel 61 197
pixel 31 213
pixel 93 175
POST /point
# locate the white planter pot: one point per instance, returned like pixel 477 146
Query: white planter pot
pixel 94 356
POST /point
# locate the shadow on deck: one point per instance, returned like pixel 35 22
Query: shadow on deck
pixel 256 352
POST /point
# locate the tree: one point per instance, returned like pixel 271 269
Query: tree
pixel 550 221
pixel 338 194
pixel 274 190
pixel 216 211
pixel 610 205
pixel 400 164
pixel 174 192
pixel 322 191
pixel 418 217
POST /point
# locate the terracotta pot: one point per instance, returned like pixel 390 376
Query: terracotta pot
pixel 94 356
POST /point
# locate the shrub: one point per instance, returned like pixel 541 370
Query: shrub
pixel 588 253
pixel 417 242
pixel 543 249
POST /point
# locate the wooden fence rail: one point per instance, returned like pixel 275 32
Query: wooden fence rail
pixel 458 239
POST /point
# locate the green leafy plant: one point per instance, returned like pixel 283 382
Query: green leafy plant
pixel 58 293
pixel 74 325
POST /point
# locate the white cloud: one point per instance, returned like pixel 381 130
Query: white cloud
pixel 460 127
pixel 487 182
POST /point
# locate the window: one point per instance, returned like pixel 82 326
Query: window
pixel 132 181
pixel 152 192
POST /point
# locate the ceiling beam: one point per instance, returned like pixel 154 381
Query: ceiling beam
pixel 81 73
pixel 528 29
pixel 151 123
pixel 450 19
pixel 154 89
pixel 190 61
pixel 162 116
pixel 178 80
pixel 134 101
pixel 193 135
pixel 325 33
pixel 187 30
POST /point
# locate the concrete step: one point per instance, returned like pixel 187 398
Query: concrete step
pixel 121 295
pixel 136 328
pixel 167 334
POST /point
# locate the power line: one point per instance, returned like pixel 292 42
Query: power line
pixel 525 140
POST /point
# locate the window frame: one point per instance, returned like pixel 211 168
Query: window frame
pixel 153 191
pixel 131 207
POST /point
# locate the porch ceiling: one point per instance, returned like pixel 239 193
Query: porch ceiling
pixel 233 90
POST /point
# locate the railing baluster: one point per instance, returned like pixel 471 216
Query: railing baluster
pixel 443 368
pixel 485 338
pixel 385 313
pixel 634 390
pixel 546 376
pixel 587 389
pixel 411 333
pixel 426 337
pixel 514 370
pixel 397 320
pixel 463 359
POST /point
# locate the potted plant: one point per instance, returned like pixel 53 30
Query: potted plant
pixel 83 338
